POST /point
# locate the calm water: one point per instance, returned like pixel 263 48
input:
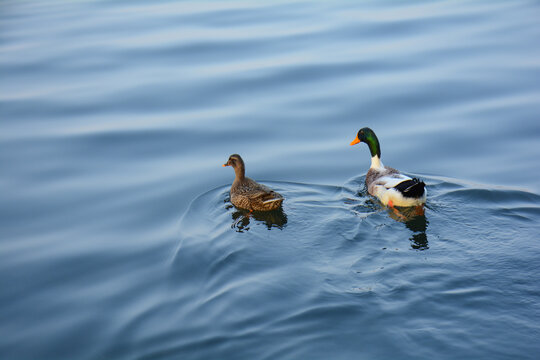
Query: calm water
pixel 117 237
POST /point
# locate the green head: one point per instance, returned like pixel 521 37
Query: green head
pixel 368 136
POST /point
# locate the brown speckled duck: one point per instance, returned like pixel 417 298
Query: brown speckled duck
pixel 249 194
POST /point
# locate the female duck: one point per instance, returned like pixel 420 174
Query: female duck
pixel 249 194
pixel 387 184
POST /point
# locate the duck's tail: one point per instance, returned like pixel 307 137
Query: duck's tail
pixel 413 188
pixel 272 200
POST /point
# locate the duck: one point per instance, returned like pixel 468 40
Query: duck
pixel 385 183
pixel 249 194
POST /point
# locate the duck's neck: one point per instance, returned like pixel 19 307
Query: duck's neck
pixel 375 150
pixel 376 163
pixel 240 173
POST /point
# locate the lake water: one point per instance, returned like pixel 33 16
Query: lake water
pixel 118 240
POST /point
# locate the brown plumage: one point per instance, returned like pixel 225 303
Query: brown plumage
pixel 249 194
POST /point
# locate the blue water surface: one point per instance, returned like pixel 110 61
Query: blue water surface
pixel 117 236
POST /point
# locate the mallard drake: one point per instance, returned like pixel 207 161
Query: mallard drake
pixel 249 194
pixel 385 183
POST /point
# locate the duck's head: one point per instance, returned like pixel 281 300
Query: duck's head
pixel 368 136
pixel 237 163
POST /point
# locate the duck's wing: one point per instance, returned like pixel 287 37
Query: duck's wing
pixel 405 185
pixel 388 178
pixel 391 180
pixel 259 191
pixel 413 188
pixel 267 195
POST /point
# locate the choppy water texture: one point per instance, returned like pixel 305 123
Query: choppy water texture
pixel 118 240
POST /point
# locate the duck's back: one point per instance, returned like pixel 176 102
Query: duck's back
pixel 249 194
pixel 388 184
pixel 374 176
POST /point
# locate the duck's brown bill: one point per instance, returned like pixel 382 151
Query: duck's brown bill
pixel 225 165
pixel 356 140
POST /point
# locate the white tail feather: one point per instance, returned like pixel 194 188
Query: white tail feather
pixel 271 200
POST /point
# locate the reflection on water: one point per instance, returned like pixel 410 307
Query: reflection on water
pixel 272 219
pixel 415 220
pixel 418 225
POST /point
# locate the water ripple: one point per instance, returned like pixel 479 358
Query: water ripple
pixel 115 120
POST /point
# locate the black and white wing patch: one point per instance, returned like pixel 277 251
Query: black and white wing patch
pixel 413 188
